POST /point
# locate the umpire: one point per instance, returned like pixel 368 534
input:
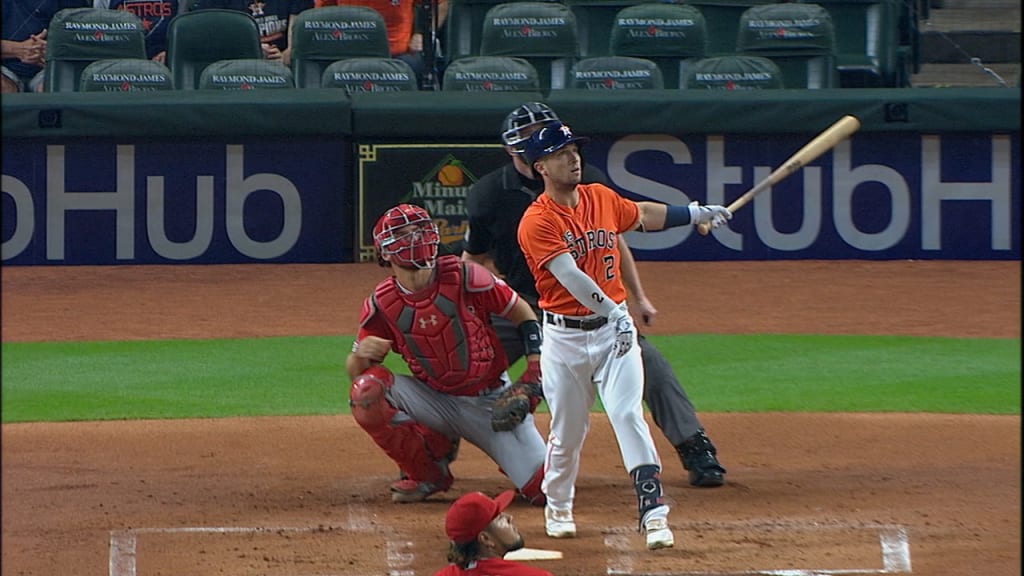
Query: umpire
pixel 495 205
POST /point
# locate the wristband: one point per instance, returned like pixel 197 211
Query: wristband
pixel 529 331
pixel 677 216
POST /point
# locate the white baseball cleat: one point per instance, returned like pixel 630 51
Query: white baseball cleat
pixel 658 534
pixel 559 523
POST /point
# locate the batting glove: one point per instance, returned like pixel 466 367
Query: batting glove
pixel 712 214
pixel 625 331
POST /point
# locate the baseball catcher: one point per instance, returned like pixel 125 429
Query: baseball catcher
pixel 436 313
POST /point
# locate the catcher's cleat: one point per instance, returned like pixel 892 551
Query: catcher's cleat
pixel 698 456
pixel 406 490
pixel 658 534
pixel 559 523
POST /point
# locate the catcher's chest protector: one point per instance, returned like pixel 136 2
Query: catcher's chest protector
pixel 444 342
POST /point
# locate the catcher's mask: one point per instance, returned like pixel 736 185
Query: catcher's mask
pixel 514 133
pixel 408 235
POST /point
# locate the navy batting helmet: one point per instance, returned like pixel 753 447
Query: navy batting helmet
pixel 514 130
pixel 548 140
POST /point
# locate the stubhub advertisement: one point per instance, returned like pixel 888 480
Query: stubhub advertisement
pixel 876 196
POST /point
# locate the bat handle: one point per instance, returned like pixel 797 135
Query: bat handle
pixel 703 228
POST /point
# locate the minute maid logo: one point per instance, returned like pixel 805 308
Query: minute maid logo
pixel 442 191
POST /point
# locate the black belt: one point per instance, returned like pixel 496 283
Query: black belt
pixel 587 324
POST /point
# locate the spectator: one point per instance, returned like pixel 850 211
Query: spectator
pixel 400 16
pixel 155 15
pixel 24 40
pixel 273 18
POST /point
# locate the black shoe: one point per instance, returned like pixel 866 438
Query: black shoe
pixel 698 456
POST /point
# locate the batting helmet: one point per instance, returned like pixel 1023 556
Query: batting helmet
pixel 526 116
pixel 413 248
pixel 548 140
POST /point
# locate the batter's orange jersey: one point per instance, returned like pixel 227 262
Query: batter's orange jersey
pixel 399 17
pixel 589 232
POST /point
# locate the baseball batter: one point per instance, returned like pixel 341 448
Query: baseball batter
pixel 436 312
pixel 570 237
pixel 494 206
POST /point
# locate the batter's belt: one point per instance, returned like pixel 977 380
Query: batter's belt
pixel 585 324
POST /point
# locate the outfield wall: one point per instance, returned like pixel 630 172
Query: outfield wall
pixel 261 176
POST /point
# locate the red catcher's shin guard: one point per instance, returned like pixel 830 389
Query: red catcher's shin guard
pixel 531 492
pixel 414 447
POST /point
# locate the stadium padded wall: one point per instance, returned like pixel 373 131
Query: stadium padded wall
pixel 295 176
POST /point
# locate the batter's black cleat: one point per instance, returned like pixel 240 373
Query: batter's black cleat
pixel 698 456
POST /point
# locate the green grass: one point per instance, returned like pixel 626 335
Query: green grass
pixel 293 376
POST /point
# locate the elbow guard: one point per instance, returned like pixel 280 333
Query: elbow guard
pixel 529 331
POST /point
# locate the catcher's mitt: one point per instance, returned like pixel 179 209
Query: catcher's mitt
pixel 518 400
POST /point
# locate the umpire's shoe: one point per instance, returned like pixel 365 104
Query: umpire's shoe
pixel 698 455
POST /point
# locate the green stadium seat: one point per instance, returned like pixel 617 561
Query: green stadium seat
pixel 246 74
pixel 463 26
pixel 197 39
pixel 867 41
pixel 734 72
pixel 616 73
pixel 542 33
pixel 490 74
pixel 78 37
pixel 370 75
pixel 798 38
pixel 722 19
pixel 322 36
pixel 594 20
pixel 673 36
pixel 125 75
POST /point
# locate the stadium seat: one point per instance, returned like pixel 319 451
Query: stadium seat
pixel 734 72
pixel 616 73
pixel 798 38
pixel 490 74
pixel 321 36
pixel 673 36
pixel 722 19
pixel 197 39
pixel 78 37
pixel 246 74
pixel 542 33
pixel 867 41
pixel 463 26
pixel 594 20
pixel 125 75
pixel 370 75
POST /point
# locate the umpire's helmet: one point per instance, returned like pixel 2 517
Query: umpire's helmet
pixel 548 140
pixel 410 248
pixel 523 117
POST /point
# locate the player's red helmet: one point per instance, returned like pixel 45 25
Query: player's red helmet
pixel 415 248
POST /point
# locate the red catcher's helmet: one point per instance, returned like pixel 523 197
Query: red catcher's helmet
pixel 414 248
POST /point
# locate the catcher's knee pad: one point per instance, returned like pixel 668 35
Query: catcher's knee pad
pixel 531 492
pixel 368 398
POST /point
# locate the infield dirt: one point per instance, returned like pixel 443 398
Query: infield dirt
pixel 879 493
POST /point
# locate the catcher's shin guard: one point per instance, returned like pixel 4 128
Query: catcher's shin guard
pixel 419 451
pixel 532 492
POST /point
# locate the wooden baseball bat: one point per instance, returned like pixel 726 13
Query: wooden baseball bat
pixel 834 134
